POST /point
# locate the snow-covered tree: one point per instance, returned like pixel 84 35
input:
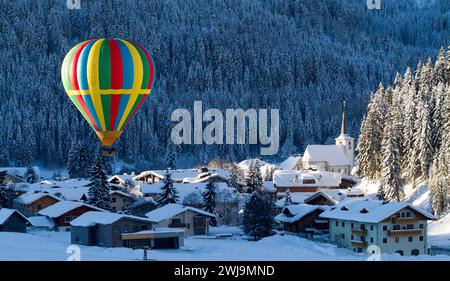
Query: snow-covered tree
pixel 171 155
pixel 287 198
pixel 439 185
pixel 209 201
pixel 193 199
pixel 30 175
pixel 168 194
pixel 236 175
pixel 99 190
pixel 78 162
pixel 255 181
pixel 258 216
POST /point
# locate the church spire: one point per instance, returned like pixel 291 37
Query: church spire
pixel 344 121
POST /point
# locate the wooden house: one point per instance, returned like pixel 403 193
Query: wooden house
pixel 12 221
pixel 30 204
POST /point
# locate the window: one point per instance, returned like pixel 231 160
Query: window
pixel 353 237
pixel 403 215
pixel 359 250
pixel 363 238
pixel 67 219
pixel 39 207
pixel 362 226
pixel 343 224
pixel 396 227
pixel 384 240
pixel 410 226
pixel 420 238
pixel 113 199
pixel 354 249
pixel 397 215
pixel 408 214
pixel 353 225
pixel 371 239
pixel 342 236
pixel 397 239
pixel 67 229
pixel 174 221
pixel 421 226
pixel 188 226
pixel 384 227
pixel 371 227
pixel 410 239
pixel 337 223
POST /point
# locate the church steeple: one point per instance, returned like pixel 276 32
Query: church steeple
pixel 344 120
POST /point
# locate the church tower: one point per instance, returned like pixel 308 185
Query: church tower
pixel 344 140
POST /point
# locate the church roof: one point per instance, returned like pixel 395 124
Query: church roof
pixel 334 155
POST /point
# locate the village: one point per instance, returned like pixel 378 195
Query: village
pixel 315 197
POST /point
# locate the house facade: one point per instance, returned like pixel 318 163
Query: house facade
pixel 395 227
pixel 305 180
pixel 192 220
pixel 120 200
pixel 12 221
pixel 105 229
pixel 30 204
pixel 303 220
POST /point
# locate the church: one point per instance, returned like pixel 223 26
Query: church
pixel 338 158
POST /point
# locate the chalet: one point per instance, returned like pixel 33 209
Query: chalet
pixel 12 221
pixel 17 174
pixel 8 178
pixel 155 176
pixel 105 229
pixel 291 163
pixel 120 200
pixel 192 220
pixel 331 197
pixel 41 223
pixel 303 220
pixel 305 180
pixel 64 212
pixel 333 158
pixel 395 227
pixel 31 203
pixel 121 179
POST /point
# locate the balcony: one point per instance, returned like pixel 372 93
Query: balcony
pixel 177 225
pixel 404 232
pixel 405 220
pixel 362 244
pixel 360 232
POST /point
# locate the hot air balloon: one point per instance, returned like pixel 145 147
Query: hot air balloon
pixel 108 80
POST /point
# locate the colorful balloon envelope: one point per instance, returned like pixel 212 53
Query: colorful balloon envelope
pixel 108 80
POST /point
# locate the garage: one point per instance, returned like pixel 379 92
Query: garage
pixel 166 243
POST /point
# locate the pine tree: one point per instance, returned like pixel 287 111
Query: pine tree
pixel 209 201
pixel 168 194
pixel 78 160
pixel 235 177
pixel 171 155
pixel 30 175
pixel 258 216
pixel 391 187
pixel 255 181
pixel 423 140
pixel 99 190
pixel 287 198
pixel 439 185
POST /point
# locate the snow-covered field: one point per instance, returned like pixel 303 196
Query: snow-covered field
pixel 52 246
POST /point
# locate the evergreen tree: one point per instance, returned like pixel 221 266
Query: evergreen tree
pixel 391 187
pixel 30 175
pixel 99 190
pixel 235 177
pixel 287 198
pixel 439 185
pixel 258 216
pixel 171 155
pixel 168 194
pixel 255 181
pixel 209 201
pixel 78 160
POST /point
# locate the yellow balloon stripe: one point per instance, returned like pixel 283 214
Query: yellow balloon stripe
pixel 138 75
pixel 93 80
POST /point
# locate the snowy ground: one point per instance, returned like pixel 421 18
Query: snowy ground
pixel 52 246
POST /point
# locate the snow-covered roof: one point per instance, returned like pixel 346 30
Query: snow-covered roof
pixel 290 163
pixel 183 189
pixel 19 171
pixel 296 198
pixel 62 184
pixel 295 178
pixel 31 197
pixel 336 195
pixel 92 218
pixel 334 155
pixel 5 214
pixel 156 230
pixel 122 178
pixel 245 164
pixel 368 210
pixel 293 213
pixel 268 186
pixel 41 221
pixel 121 193
pixel 178 174
pixel 63 207
pixel 170 210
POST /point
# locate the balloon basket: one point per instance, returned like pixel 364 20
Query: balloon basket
pixel 108 151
